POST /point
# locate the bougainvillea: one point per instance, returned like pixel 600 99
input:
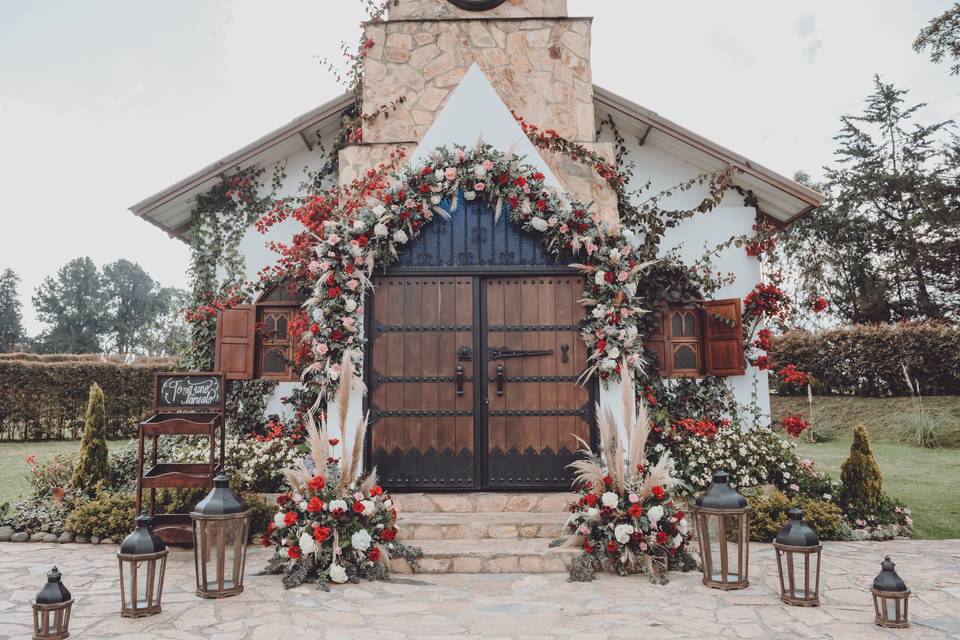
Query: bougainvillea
pixel 794 425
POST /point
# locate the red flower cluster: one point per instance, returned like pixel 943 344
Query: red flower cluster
pixel 794 425
pixel 703 428
pixel 765 301
pixel 819 304
pixel 764 340
pixel 761 362
pixel 791 375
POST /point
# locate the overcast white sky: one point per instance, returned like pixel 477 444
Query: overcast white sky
pixel 104 102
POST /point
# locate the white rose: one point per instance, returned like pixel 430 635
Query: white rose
pixel 318 315
pixel 278 520
pixel 350 305
pixel 307 544
pixel 479 171
pixel 613 352
pixel 592 511
pixel 379 210
pixel 599 278
pixel 337 574
pixel 622 533
pixel 610 499
pixel 677 540
pixel 361 540
pixel 684 527
pixel 539 224
pixel 436 199
pixel 400 236
pixel 469 195
pixel 368 507
pixel 380 230
pixel 654 514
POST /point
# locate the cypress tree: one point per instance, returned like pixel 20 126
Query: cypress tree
pixel 93 466
pixel 860 473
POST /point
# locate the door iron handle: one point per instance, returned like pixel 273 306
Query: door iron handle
pixel 460 379
pixel 500 379
pixel 501 354
pixel 564 357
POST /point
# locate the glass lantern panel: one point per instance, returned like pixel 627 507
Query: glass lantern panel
pixel 139 572
pixel 219 537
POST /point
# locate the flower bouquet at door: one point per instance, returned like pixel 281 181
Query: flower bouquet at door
pixel 335 524
pixel 625 518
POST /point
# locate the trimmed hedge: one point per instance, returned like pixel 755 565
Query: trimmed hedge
pixel 867 360
pixel 44 399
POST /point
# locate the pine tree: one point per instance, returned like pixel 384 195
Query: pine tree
pixel 94 465
pixel 11 317
pixel 860 473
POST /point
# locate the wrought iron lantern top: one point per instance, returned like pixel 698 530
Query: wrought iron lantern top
pixel 797 533
pixel 888 581
pixel 221 501
pixel 143 540
pixel 54 591
pixel 720 495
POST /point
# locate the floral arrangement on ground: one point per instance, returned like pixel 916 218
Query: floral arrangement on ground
pixel 336 525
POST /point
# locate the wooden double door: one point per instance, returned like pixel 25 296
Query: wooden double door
pixel 474 381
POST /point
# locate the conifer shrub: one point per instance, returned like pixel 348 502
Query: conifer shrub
pixel 860 479
pixel 769 513
pixel 93 467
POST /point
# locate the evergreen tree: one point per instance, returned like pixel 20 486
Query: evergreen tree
pixel 942 37
pixel 72 303
pixel 134 302
pixel 886 243
pixel 93 467
pixel 860 474
pixel 11 317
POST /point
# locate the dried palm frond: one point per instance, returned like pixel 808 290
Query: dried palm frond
pixel 369 482
pixel 318 442
pixel 588 470
pixel 610 441
pixel 356 459
pixel 662 474
pixel 342 404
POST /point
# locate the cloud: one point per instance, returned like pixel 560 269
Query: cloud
pixel 810 52
pixel 806 25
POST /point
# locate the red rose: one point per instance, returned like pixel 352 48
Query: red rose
pixel 294 552
pixel 315 505
pixel 334 442
pixel 374 554
pixel 320 534
pixel 592 499
pixel 358 507
pixel 587 546
pixel 635 510
pixel 612 546
pixel 503 178
pixel 376 491
pixel 661 537
pixel 601 345
pixel 388 535
pixel 284 498
pixel 608 276
pixel 607 480
pixel 658 492
pixel 317 482
pixel 289 518
pixel 820 304
pixel 520 181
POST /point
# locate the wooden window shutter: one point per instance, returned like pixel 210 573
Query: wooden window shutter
pixel 236 342
pixel 657 345
pixel 723 338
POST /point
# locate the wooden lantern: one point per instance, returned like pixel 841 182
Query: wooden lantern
pixel 221 525
pixel 51 609
pixel 722 520
pixel 798 549
pixel 143 561
pixel 891 598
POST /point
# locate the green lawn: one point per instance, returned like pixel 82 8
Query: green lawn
pixel 14 469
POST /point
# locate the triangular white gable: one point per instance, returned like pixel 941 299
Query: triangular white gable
pixel 474 111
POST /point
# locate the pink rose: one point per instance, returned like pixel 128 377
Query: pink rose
pixel 353 284
pixel 348 321
pixel 322 348
pixel 480 186
pixel 450 174
pixel 488 164
pixel 564 228
pixel 314 266
pixel 333 239
pixel 622 276
pixel 325 265
pixel 459 155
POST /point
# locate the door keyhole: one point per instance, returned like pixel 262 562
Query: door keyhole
pixel 564 357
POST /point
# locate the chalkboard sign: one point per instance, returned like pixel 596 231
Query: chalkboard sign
pixel 188 392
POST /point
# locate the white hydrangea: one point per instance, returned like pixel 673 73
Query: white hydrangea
pixel 610 499
pixel 539 224
pixel 307 544
pixel 278 520
pixel 380 230
pixel 654 514
pixel 350 306
pixel 318 315
pixel 361 540
pixel 400 237
pixel 379 210
pixel 337 574
pixel 598 278
pixel 622 533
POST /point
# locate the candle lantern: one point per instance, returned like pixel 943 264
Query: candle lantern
pixel 221 525
pixel 722 519
pixel 143 561
pixel 798 550
pixel 891 597
pixel 51 609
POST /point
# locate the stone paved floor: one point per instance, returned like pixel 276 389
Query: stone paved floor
pixel 493 606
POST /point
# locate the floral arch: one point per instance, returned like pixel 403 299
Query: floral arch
pixel 392 213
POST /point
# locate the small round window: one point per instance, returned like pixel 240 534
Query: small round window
pixel 477 5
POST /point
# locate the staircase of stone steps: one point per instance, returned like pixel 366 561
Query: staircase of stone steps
pixel 484 532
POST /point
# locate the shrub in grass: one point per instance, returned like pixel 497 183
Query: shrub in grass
pixel 769 513
pixel 860 479
pixel 93 467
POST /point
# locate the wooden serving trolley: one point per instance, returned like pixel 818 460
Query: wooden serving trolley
pixel 183 404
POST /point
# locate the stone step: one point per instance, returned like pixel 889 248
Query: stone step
pixel 482 502
pixel 503 525
pixel 531 555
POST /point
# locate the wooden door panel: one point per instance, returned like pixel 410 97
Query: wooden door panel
pixel 533 423
pixel 422 432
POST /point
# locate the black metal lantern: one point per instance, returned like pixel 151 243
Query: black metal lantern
pixel 891 597
pixel 221 525
pixel 798 549
pixel 51 609
pixel 143 562
pixel 722 518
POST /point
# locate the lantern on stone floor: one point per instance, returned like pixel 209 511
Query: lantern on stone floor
pixel 221 525
pixel 798 551
pixel 891 597
pixel 143 562
pixel 51 609
pixel 722 519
